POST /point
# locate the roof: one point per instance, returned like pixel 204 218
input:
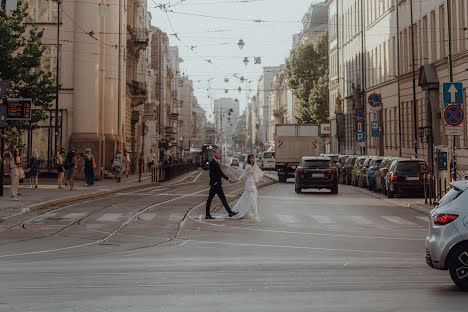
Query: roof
pixel 315 158
pixel 462 184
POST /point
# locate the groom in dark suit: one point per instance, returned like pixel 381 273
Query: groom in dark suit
pixel 215 182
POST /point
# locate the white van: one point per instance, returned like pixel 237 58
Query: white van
pixel 267 161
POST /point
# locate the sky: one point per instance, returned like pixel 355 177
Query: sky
pixel 204 39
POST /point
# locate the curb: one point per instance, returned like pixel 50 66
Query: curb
pixel 421 208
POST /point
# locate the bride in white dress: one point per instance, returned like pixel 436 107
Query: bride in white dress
pixel 246 206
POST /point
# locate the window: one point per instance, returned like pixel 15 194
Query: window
pixel 316 164
pixel 442 52
pixel 42 11
pixel 424 45
pixel 433 37
pixel 461 24
pixel 49 60
pixel 454 26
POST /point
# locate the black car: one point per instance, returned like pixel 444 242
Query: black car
pixel 406 176
pixel 317 173
pixel 346 172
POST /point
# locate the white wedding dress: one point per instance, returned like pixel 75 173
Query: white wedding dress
pixel 246 206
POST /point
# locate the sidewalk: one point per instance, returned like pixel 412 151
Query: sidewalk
pixel 47 194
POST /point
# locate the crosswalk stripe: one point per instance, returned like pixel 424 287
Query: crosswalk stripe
pixel 398 220
pixel 75 215
pixel 323 219
pixel 110 217
pixel 425 219
pixel 287 219
pixel 175 217
pixel 362 220
pixel 46 215
pixel 147 216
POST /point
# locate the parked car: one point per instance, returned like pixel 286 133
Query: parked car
pixel 243 157
pixel 369 176
pixel 379 177
pixel 346 171
pixel 333 157
pixel 235 162
pixel 447 242
pixel 362 182
pixel 356 173
pixel 318 173
pixel 406 176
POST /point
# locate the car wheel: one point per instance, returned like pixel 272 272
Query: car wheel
pixel 370 187
pixel 348 180
pixel 334 189
pixel 298 190
pixel 390 194
pixel 282 179
pixel 384 189
pixel 457 263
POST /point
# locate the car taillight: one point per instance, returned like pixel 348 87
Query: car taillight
pixel 364 169
pixel 332 170
pixel 444 219
pixel 300 170
pixel 393 177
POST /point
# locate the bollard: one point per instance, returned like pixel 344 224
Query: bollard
pixel 445 187
pixel 425 189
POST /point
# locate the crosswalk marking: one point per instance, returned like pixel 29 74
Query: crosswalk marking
pixel 323 219
pixel 110 217
pixel 175 217
pixel 425 219
pixel 74 215
pixel 287 219
pixel 398 220
pixel 46 215
pixel 362 220
pixel 147 217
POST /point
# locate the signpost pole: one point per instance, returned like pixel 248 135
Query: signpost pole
pixel 2 168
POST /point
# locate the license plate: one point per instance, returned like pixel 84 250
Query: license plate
pixel 318 175
pixel 412 179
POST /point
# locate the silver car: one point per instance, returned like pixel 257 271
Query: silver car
pixel 447 242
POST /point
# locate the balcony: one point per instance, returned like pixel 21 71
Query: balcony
pixel 138 92
pixel 175 116
pixel 138 40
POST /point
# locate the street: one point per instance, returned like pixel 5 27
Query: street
pixel 136 252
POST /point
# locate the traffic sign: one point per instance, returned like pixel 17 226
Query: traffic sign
pixel 359 115
pixel 374 100
pixel 454 115
pixel 360 137
pixel 375 127
pixel 453 93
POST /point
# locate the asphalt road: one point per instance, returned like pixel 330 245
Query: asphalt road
pixel 150 250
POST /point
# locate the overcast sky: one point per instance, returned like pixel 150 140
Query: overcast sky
pixel 216 40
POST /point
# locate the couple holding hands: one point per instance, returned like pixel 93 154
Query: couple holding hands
pixel 246 206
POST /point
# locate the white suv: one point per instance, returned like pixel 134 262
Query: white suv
pixel 447 242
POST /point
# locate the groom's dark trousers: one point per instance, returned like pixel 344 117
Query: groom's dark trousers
pixel 216 186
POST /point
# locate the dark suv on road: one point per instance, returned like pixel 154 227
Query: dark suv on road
pixel 317 173
pixel 406 176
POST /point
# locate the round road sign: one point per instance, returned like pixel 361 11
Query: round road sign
pixel 454 115
pixel 374 100
pixel 359 115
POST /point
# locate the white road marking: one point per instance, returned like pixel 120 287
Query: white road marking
pixel 287 218
pixel 398 220
pixel 323 219
pixel 147 217
pixel 74 215
pixel 175 217
pixel 362 220
pixel 46 215
pixel 110 217
pixel 425 219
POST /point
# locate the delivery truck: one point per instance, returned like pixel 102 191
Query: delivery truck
pixel 292 143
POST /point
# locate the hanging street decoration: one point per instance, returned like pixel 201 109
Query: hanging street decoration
pixel 226 80
pixel 246 61
pixel 241 44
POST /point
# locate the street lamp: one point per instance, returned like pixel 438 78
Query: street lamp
pixel 241 44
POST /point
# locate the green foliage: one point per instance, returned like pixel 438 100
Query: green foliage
pixel 21 50
pixel 307 72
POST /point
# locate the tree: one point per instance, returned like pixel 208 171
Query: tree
pixel 239 134
pixel 307 73
pixel 21 51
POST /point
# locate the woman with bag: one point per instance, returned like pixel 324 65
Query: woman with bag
pixel 15 173
pixel 33 165
pixel 117 165
pixel 89 166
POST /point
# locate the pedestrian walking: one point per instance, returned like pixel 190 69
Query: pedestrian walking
pixel 60 168
pixel 117 165
pixel 89 166
pixel 126 163
pixel 73 170
pixel 150 158
pixel 34 165
pixel 68 165
pixel 15 168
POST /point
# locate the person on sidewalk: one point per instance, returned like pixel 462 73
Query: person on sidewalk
pixel 15 166
pixel 74 169
pixel 34 165
pixel 150 158
pixel 126 159
pixel 60 168
pixel 68 165
pixel 117 165
pixel 89 166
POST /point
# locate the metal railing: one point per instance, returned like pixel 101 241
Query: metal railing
pixel 434 189
pixel 169 171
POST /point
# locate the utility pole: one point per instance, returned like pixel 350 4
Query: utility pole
pixel 450 71
pixel 57 71
pixel 415 108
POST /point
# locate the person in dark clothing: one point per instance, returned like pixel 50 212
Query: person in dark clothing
pixel 34 165
pixel 89 165
pixel 216 185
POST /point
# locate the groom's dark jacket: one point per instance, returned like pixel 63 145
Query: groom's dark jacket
pixel 216 173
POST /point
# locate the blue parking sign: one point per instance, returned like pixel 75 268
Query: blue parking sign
pixel 360 137
pixel 453 93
